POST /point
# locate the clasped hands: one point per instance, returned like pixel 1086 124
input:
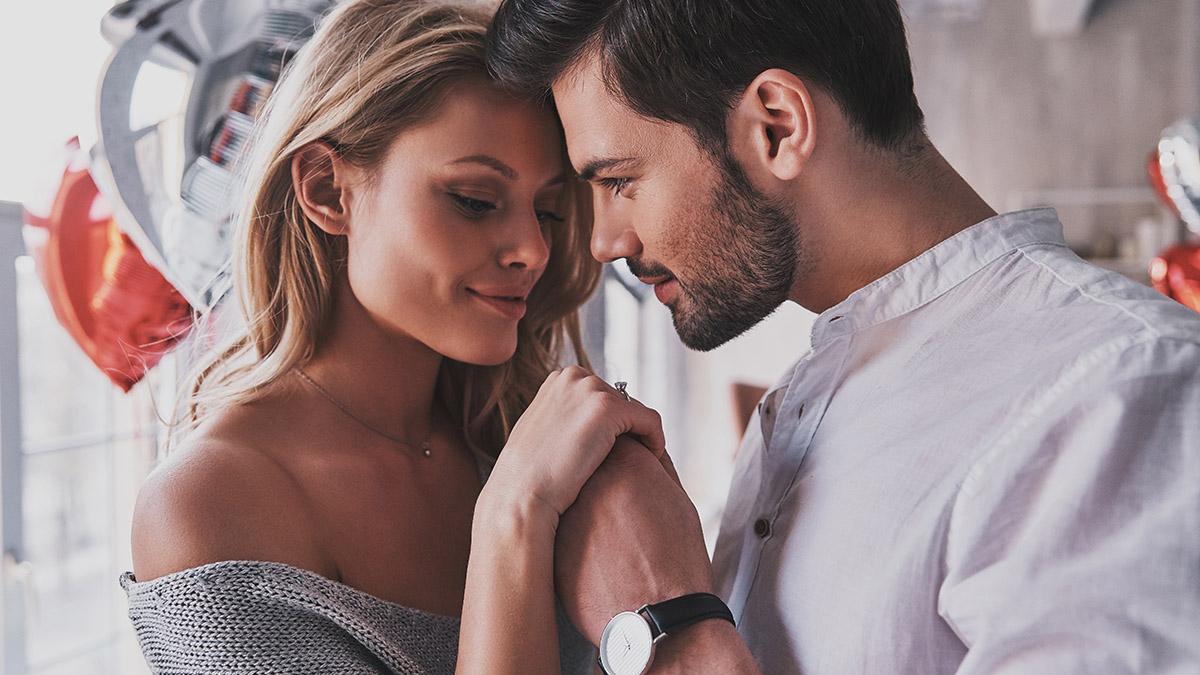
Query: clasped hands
pixel 595 464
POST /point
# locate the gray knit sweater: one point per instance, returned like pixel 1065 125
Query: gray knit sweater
pixel 243 617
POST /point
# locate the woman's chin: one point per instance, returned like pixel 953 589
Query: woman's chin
pixel 494 361
pixel 493 354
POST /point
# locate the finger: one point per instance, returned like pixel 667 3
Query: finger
pixel 576 373
pixel 550 378
pixel 600 384
pixel 646 424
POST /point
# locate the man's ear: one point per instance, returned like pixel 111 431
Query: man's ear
pixel 772 129
pixel 320 179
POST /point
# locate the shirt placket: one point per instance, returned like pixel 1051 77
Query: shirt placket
pixel 790 418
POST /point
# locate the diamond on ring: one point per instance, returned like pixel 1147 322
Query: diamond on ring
pixel 621 388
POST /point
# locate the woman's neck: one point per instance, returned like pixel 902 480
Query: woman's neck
pixel 383 378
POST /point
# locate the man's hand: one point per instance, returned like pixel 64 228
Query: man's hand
pixel 631 538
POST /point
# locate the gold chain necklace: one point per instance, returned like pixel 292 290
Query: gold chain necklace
pixel 423 447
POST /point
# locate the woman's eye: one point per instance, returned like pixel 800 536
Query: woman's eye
pixel 614 185
pixel 472 207
pixel 549 217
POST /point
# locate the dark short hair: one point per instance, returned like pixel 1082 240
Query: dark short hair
pixel 688 61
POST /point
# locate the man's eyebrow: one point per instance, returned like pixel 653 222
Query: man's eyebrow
pixel 490 162
pixel 589 170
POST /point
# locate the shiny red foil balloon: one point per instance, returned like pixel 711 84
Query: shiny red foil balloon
pixel 117 307
pixel 1176 274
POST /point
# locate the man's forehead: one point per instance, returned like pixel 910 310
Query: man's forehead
pixel 597 124
pixel 583 75
pixel 584 102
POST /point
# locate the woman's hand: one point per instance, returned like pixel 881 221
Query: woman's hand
pixel 565 434
pixel 563 437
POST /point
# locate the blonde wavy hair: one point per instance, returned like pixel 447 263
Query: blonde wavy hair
pixel 373 69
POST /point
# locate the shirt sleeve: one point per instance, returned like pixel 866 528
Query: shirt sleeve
pixel 1074 542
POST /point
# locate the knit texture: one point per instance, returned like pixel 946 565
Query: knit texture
pixel 243 617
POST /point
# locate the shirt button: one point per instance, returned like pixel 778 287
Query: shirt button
pixel 762 528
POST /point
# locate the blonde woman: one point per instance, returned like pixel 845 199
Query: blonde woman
pixel 409 262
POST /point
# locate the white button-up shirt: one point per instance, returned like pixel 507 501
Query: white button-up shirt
pixel 989 462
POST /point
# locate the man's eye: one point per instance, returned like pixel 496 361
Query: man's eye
pixel 471 206
pixel 614 185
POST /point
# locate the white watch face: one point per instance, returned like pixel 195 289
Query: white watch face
pixel 626 645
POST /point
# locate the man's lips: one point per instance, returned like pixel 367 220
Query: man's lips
pixel 655 280
pixel 666 287
pixel 667 291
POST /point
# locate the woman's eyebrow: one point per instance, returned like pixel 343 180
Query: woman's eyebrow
pixel 560 179
pixel 490 162
pixel 504 169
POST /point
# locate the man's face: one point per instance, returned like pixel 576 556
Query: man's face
pixel 720 255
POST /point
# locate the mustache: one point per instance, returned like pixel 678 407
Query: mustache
pixel 644 269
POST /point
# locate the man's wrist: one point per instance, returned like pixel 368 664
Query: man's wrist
pixel 712 645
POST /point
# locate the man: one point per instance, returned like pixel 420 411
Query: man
pixel 989 460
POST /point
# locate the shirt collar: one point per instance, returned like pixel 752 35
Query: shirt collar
pixel 936 271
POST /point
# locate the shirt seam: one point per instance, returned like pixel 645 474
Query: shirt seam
pixel 1079 288
pixel 1032 411
pixel 1034 408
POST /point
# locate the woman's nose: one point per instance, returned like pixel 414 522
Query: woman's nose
pixel 527 247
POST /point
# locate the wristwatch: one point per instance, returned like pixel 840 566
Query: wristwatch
pixel 628 642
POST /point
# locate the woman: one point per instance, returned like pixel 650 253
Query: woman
pixel 409 261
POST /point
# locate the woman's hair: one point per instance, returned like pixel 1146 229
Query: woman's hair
pixel 373 69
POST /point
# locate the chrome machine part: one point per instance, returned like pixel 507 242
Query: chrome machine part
pixel 171 180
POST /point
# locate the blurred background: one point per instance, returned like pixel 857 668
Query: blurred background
pixel 108 242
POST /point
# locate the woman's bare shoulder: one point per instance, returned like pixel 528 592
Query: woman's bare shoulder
pixel 222 496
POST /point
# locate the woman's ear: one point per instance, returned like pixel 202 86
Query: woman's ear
pixel 772 129
pixel 320 179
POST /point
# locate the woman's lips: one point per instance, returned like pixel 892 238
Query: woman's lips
pixel 510 307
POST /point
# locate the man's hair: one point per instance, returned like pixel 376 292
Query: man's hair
pixel 688 61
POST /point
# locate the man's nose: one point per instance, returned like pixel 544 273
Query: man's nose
pixel 613 237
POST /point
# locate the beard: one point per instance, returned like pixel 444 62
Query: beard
pixel 743 255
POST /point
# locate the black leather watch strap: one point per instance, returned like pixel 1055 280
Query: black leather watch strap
pixel 669 616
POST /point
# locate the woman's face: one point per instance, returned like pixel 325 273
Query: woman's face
pixel 452 230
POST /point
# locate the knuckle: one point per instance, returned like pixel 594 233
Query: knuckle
pixel 607 400
pixel 598 405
